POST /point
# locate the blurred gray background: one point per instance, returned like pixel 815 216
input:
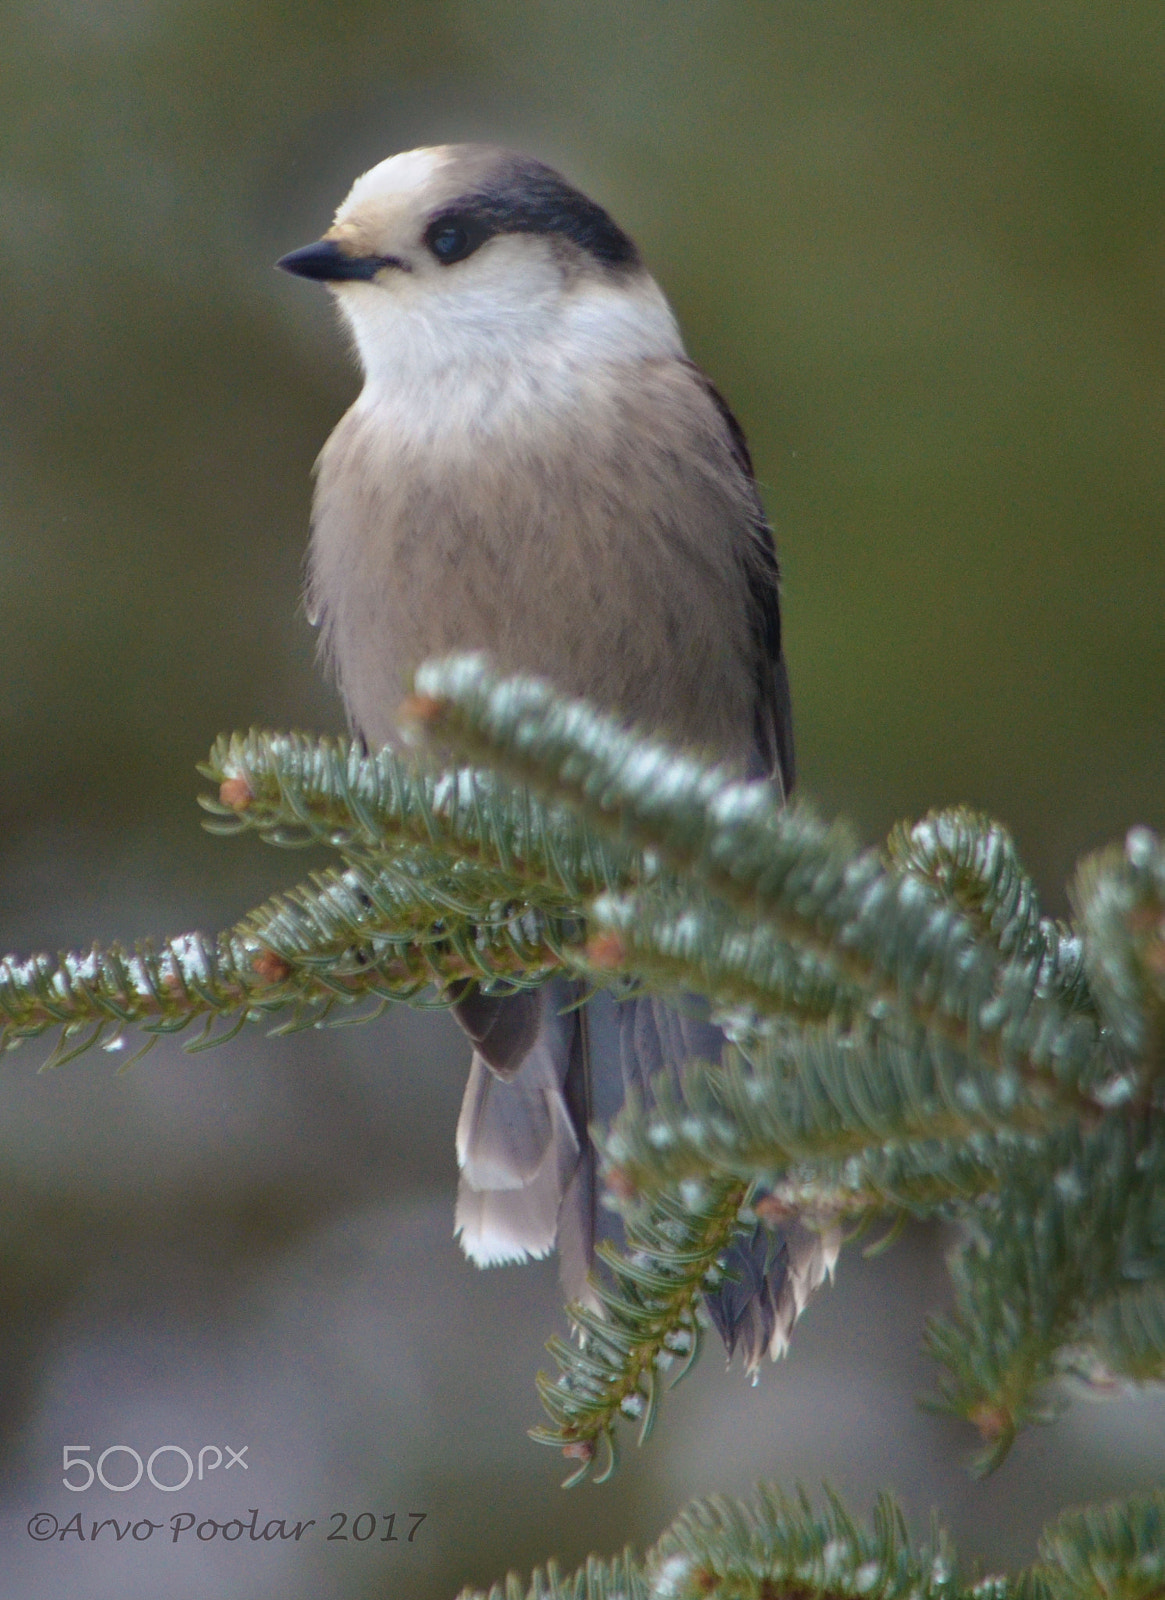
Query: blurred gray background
pixel 921 248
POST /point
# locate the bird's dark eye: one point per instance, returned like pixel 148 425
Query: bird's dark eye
pixel 453 238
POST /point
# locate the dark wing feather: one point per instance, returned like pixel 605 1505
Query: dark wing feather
pixel 774 707
pixel 503 1027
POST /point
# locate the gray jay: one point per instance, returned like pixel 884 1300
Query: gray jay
pixel 535 469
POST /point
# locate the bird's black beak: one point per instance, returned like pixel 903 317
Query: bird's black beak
pixel 327 263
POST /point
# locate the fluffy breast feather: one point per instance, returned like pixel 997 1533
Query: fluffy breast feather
pixel 591 526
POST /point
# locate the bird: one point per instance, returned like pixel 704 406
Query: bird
pixel 535 469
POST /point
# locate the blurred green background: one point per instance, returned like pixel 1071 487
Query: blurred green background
pixel 921 248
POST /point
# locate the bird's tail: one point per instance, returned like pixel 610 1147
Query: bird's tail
pixel 542 1077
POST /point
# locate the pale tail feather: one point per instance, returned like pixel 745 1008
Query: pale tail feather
pixel 518 1144
pixel 528 1166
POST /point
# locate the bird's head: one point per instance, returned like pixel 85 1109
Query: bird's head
pixel 471 252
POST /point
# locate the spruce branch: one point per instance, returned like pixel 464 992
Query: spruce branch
pixel 649 1323
pixel 817 1096
pixel 92 997
pixel 1109 1552
pixel 381 809
pixel 343 937
pixel 1125 1338
pixel 1076 1225
pixel 679 939
pixel 1120 904
pixel 780 1546
pixel 885 929
pixel 619 1579
pixel 343 922
pixel 971 859
pixel 910 1035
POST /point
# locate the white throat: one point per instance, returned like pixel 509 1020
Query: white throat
pixel 438 365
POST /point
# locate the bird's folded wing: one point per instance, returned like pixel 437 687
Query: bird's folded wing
pixel 503 1028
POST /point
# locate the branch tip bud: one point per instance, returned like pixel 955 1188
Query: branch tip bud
pixel 992 1421
pixel 619 1183
pixel 420 708
pixel 272 968
pixel 236 793
pixel 606 950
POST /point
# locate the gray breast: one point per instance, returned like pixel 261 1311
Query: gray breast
pixel 605 549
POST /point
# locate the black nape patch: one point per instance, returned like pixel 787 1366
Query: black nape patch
pixel 525 196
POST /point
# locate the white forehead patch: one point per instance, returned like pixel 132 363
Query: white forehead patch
pixel 399 175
